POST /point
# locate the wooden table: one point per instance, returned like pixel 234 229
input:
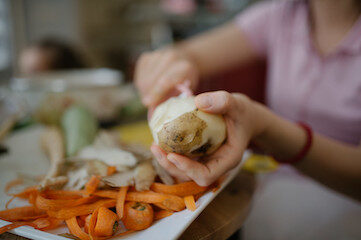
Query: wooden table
pixel 222 217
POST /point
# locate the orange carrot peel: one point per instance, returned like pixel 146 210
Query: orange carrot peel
pixel 120 201
pixel 162 214
pixel 190 203
pixel 92 184
pixel 106 222
pixel 180 189
pixel 111 170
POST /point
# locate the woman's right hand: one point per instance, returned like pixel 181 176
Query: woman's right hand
pixel 158 73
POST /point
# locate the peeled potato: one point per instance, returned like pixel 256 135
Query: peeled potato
pixel 178 126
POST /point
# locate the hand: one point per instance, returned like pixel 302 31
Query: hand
pixel 243 123
pixel 158 73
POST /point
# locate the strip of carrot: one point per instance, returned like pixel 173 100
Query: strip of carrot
pixel 92 223
pixel 64 194
pixel 21 214
pixel 12 184
pixel 32 198
pixel 92 184
pixel 74 229
pixel 146 196
pixel 111 170
pixel 12 226
pixel 171 202
pixel 120 201
pixel 161 206
pixel 190 203
pixel 180 189
pixel 104 226
pixel 26 192
pixel 86 225
pixel 56 204
pixel 85 209
pixel 8 202
pixel 106 194
pixel 162 214
pixel 42 223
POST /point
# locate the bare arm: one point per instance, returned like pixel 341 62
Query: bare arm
pixel 335 164
pixel 158 72
pixel 219 49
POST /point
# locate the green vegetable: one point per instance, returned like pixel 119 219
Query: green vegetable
pixel 79 127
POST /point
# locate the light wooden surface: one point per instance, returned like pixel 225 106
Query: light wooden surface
pixel 222 217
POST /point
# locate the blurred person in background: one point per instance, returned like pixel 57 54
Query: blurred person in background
pixel 49 54
pixel 313 50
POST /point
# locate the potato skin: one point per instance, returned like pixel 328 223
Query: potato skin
pixel 179 127
pixel 182 134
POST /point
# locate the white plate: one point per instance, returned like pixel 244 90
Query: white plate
pixel 26 157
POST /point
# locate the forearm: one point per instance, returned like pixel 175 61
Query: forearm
pixel 218 50
pixel 332 163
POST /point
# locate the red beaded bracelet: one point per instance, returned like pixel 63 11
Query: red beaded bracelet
pixel 306 148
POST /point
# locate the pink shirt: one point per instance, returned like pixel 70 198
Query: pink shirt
pixel 302 85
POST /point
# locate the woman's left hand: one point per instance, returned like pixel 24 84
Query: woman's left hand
pixel 242 122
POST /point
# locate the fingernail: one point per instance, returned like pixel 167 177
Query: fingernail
pixel 204 101
pixel 172 159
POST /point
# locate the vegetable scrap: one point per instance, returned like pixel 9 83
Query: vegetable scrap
pixel 96 214
pixel 97 186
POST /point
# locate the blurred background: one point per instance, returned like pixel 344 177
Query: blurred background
pixel 106 33
pixel 53 53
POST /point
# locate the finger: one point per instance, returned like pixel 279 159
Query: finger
pixel 219 102
pixel 144 67
pixel 224 159
pixel 193 169
pixel 161 157
pixel 178 73
pixel 162 64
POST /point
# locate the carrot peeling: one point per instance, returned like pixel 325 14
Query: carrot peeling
pixel 85 209
pixel 111 170
pixel 106 223
pixel 26 193
pixel 75 229
pixel 47 223
pixel 180 189
pixel 171 202
pixel 106 194
pixel 56 204
pixel 22 214
pixel 137 216
pixel 120 201
pixel 162 214
pixel 9 201
pixel 92 184
pixel 92 223
pixel 190 203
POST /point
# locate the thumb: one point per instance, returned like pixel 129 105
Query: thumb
pixel 219 102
